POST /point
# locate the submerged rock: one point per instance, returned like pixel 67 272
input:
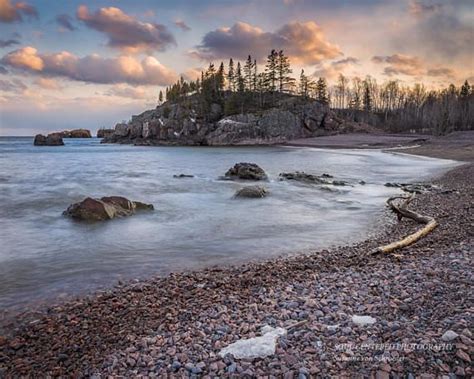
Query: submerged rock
pixel 301 176
pixel 53 139
pixel 252 192
pixel 246 171
pixel 106 208
pixel 183 176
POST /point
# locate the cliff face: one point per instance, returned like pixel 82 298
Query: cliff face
pixel 181 124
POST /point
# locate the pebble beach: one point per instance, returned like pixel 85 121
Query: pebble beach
pixel 175 326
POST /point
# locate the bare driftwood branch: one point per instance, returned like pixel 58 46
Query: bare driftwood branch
pixel 402 211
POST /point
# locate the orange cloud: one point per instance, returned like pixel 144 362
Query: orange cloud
pixel 11 13
pixel 125 32
pixel 303 42
pixel 91 68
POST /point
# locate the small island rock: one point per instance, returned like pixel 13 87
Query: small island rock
pixel 246 171
pixel 53 139
pixel 252 192
pixel 106 208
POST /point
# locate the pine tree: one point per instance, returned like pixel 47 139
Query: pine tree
pixel 231 76
pixel 239 79
pixel 248 71
pixel 322 91
pixel 254 76
pixel 367 99
pixel 304 85
pixel 160 97
pixel 284 70
pixel 465 90
pixel 271 71
pixel 220 77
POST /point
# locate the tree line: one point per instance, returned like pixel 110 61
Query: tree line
pixel 241 87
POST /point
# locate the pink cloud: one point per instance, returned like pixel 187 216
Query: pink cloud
pixel 91 68
pixel 126 32
pixel 14 12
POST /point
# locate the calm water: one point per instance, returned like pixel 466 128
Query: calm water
pixel 196 222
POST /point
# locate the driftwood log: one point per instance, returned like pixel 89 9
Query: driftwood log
pixel 402 211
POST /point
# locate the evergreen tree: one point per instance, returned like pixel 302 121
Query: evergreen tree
pixel 465 90
pixel 367 99
pixel 322 91
pixel 160 97
pixel 271 71
pixel 304 85
pixel 231 76
pixel 220 77
pixel 284 70
pixel 239 79
pixel 248 72
pixel 254 76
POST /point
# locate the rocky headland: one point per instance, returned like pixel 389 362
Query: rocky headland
pixel 186 123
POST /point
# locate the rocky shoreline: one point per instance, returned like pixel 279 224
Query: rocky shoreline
pixel 420 298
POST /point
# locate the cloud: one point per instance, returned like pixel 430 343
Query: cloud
pixel 65 21
pixel 440 71
pixel 182 25
pixel 125 32
pixel 419 8
pixel 400 64
pixel 3 70
pixel 48 83
pixel 121 90
pixel 333 69
pixel 14 85
pixel 193 73
pixel 14 12
pixel 8 42
pixel 91 68
pixel 304 43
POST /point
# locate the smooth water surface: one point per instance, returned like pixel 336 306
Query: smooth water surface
pixel 196 222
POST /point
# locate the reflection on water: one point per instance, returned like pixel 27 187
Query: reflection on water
pixel 196 222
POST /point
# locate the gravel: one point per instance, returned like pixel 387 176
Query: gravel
pixel 177 325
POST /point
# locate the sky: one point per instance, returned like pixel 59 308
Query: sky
pixel 91 64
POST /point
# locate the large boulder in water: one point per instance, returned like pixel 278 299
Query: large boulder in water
pixel 105 208
pixel 246 171
pixel 53 139
pixel 78 133
pixel 254 192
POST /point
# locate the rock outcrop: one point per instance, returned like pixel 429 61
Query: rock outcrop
pixel 252 192
pixel 105 208
pixel 186 123
pixel 101 133
pixel 53 139
pixel 246 171
pixel 75 133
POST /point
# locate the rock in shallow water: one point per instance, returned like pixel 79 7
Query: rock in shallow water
pixel 252 192
pixel 105 208
pixel 53 139
pixel 246 171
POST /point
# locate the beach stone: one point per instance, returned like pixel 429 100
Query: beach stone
pixel 252 192
pixel 363 320
pixel 180 176
pixel 449 335
pixel 246 171
pixel 301 176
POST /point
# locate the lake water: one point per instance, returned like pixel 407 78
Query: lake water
pixel 196 221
